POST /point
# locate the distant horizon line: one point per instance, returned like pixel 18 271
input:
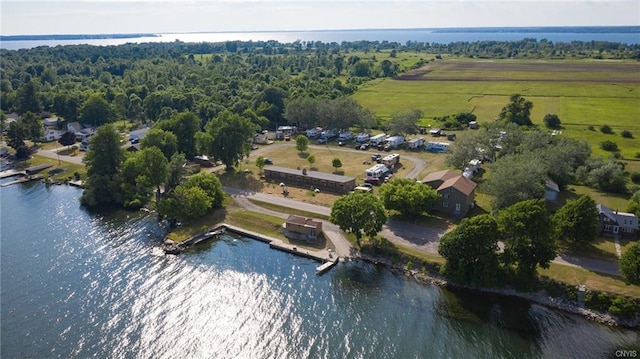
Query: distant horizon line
pixel 583 28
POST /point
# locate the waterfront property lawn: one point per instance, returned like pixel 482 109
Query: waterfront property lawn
pixel 595 281
pixel 59 172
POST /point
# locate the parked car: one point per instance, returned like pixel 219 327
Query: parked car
pixel 268 161
pixel 322 140
pixel 134 140
pixel 376 157
pixel 364 146
pixel 342 143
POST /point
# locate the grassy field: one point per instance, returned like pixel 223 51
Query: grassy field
pixel 582 93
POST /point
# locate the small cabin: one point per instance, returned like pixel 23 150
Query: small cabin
pixel 302 228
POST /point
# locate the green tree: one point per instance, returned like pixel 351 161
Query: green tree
pixel 193 198
pixel 16 134
pixel 576 223
pixel 227 138
pixel 185 126
pixel 103 160
pixel 517 111
pixel 302 143
pixel 359 213
pixel 211 185
pixel 185 203
pixel 471 251
pixel 526 230
pixel 311 159
pixel 516 178
pixel 404 122
pixel 630 264
pixel 260 163
pixel 388 68
pixel 33 125
pixel 551 120
pixel 408 196
pixel 166 141
pixel 336 163
pixel 468 146
pixel 175 172
pixel 67 139
pixel 153 169
pixel 27 98
pixel 96 111
pixel 633 205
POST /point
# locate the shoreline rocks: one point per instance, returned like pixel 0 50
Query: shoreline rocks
pixel 538 297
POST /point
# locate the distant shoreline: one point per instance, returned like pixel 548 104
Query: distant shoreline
pixel 50 37
pixel 528 29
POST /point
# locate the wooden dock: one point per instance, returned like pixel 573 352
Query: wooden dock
pixel 11 173
pixel 198 238
pixel 23 179
pixel 327 261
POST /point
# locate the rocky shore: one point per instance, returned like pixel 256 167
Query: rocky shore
pixel 538 297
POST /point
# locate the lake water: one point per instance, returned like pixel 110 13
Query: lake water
pixel 397 35
pixel 76 284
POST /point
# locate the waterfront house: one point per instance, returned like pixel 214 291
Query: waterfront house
pixel 301 228
pixel 436 179
pixel 457 193
pixel 614 223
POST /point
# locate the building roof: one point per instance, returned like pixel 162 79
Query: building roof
pixel 302 221
pixel 460 183
pixel 550 185
pixel 311 174
pixel 439 176
pixel 626 220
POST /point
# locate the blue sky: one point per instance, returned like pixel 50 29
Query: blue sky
pixel 158 16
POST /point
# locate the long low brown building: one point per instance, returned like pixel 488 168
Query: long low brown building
pixel 305 178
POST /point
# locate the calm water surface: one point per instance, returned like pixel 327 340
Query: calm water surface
pixel 76 284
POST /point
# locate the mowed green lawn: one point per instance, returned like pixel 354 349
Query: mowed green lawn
pixel 590 100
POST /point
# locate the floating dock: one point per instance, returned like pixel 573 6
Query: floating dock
pixel 321 269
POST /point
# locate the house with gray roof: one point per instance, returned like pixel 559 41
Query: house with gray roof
pixel 614 223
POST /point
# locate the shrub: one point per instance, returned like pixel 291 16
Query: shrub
pixel 637 155
pixel 635 177
pixel 626 134
pixel 623 307
pixel 551 121
pixel 606 129
pixel 609 145
pixel 591 128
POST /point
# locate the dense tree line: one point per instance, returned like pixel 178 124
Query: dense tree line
pixel 148 81
pixel 530 236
